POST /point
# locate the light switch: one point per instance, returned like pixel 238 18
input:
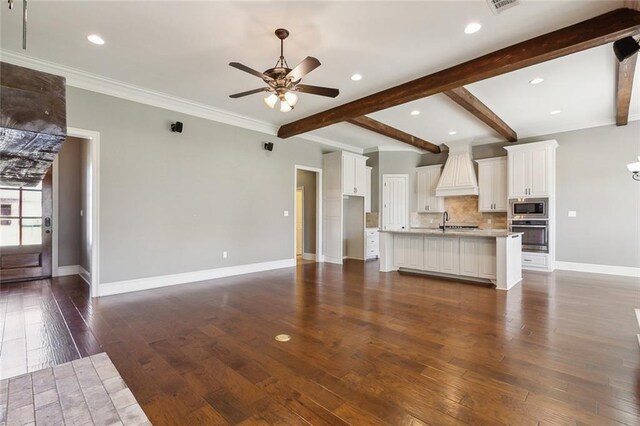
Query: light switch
pixel 286 213
pixel 572 213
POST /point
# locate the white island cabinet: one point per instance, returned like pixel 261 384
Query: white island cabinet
pixel 482 256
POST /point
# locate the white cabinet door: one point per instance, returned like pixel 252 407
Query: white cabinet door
pixel 500 186
pixel 519 162
pixel 487 258
pixel 367 193
pixel 486 178
pixel 416 258
pixel 401 250
pixel 426 182
pixel 538 171
pixel 348 175
pixel 360 176
pixel 449 255
pixel 431 261
pixel 469 257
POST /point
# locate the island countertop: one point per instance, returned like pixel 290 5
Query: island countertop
pixel 492 233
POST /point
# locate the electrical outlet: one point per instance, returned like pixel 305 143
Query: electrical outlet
pixel 489 221
pixel 224 254
pixel 572 213
pixel 81 212
pixel 286 213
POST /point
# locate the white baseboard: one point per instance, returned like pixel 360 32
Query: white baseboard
pixel 63 271
pixel 85 275
pixel 309 256
pixel 627 271
pixel 128 286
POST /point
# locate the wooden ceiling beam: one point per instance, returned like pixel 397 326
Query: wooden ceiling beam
pixel 393 133
pixel 585 35
pixel 468 101
pixel 626 71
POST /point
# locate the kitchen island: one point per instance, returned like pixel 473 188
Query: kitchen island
pixel 485 256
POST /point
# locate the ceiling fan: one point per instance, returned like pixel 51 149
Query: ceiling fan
pixel 283 82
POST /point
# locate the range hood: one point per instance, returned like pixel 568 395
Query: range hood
pixel 458 176
pixel 33 123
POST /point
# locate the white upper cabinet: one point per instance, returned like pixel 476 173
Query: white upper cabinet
pixel 492 180
pixel 427 179
pixel 531 169
pixel 367 193
pixel 354 174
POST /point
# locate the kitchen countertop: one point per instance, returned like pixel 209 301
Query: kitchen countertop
pixel 495 233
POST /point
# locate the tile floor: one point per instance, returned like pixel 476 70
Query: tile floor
pixel 86 391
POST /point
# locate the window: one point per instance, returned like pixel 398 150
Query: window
pixel 20 216
pixel 5 210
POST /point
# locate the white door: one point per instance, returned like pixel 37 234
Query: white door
pixel 367 193
pixel 518 173
pixel 538 171
pixel 395 202
pixel 299 221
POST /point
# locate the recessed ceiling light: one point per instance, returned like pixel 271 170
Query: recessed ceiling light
pixel 95 39
pixel 555 111
pixel 473 27
pixel 453 132
pixel 415 112
pixel 536 80
pixel 356 77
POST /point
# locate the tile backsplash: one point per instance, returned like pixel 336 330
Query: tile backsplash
pixel 372 220
pixel 462 210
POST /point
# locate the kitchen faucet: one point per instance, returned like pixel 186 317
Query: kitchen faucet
pixel 445 218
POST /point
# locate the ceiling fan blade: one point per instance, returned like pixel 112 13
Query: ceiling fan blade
pixel 251 71
pixel 317 90
pixel 249 92
pixel 307 65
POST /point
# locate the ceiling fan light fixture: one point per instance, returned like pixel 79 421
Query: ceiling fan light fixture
pixel 271 100
pixel 291 98
pixel 285 107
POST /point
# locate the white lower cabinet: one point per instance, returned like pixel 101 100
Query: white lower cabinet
pixel 408 251
pixel 372 243
pixel 487 258
pixel 470 257
pixel 441 254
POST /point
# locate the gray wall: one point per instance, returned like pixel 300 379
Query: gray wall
pixel 592 179
pixel 69 202
pixel 307 180
pixel 85 198
pixel 172 203
pixel 401 162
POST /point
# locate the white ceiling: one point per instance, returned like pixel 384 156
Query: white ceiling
pixel 183 48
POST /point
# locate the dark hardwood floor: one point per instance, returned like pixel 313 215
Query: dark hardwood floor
pixel 366 348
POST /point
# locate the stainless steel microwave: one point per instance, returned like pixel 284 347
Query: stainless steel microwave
pixel 529 208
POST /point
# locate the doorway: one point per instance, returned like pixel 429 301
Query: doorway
pixel 25 231
pixel 307 208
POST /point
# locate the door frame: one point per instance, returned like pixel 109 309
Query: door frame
pixel 407 201
pixel 93 139
pixel 301 190
pixel 318 172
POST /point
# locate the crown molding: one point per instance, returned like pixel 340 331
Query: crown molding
pixel 391 148
pixel 119 89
